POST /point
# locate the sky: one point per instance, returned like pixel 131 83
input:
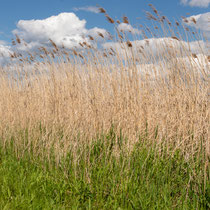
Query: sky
pixel 68 21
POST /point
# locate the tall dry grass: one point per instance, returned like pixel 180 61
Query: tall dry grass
pixel 161 97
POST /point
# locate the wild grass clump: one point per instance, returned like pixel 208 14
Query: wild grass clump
pixel 144 179
pixel 152 90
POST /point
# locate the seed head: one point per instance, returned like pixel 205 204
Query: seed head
pixel 102 10
pixel 129 44
pixel 177 23
pixel 100 34
pixel 174 37
pixel 193 20
pixel 91 38
pixel 109 19
pixel 150 16
pixel 18 39
pixel 194 55
pixel 125 20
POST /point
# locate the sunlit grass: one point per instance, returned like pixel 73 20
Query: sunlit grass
pixel 98 180
pixel 120 125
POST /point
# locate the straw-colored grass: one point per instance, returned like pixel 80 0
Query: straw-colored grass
pixel 118 124
pixel 90 90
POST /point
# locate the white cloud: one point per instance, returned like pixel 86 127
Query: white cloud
pixel 128 28
pixel 94 32
pixel 196 3
pixel 159 56
pixel 5 52
pixel 87 9
pixel 64 29
pixel 202 22
pixel 154 49
pixel 2 42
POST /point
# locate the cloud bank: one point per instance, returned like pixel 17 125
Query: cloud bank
pixel 154 49
pixel 128 28
pixel 68 30
pixel 200 22
pixel 196 3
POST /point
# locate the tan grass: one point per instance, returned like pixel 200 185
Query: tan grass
pixel 88 94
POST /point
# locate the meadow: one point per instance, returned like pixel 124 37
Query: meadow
pixel 120 124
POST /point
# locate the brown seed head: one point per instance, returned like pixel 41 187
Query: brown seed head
pixel 125 20
pixel 154 9
pixel 129 44
pixel 112 50
pixel 194 55
pixel 100 34
pixel 81 44
pixel 193 20
pixel 53 44
pixel 65 53
pixel 54 51
pixel 184 19
pixel 109 19
pixel 91 38
pixel 52 54
pixel 150 16
pixel 43 49
pixel 13 42
pixel 102 10
pixel 18 39
pixel 81 56
pixel 162 18
pixel 174 37
pixel 75 53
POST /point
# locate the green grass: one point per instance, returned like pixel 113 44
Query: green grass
pixel 100 180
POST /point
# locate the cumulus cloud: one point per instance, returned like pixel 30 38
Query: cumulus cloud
pixel 128 28
pixel 98 34
pixel 87 9
pixel 201 22
pixel 64 29
pixel 154 49
pixel 196 3
pixel 5 52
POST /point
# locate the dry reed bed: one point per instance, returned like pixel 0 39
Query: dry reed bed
pixel 165 102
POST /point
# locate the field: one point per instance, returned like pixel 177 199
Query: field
pixel 120 124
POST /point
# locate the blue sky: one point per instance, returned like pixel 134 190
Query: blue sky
pixel 70 22
pixel 11 11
